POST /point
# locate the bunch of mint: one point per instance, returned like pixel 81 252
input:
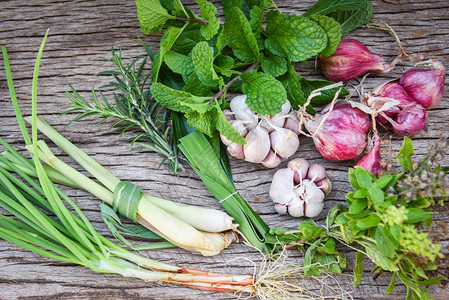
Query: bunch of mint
pixel 242 54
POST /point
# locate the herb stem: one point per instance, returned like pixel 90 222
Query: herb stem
pixel 192 20
pixel 230 83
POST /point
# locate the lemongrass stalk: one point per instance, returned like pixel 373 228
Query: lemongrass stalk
pixel 171 228
pixel 202 218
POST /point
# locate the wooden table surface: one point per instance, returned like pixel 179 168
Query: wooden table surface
pixel 83 31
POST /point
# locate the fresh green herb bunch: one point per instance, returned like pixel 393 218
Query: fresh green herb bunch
pixel 134 108
pixel 381 223
pixel 210 57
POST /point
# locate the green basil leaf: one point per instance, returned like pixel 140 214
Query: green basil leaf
pixel 203 61
pixel 416 215
pixel 333 212
pixel 293 37
pixel 357 206
pixel 333 31
pixel 383 243
pixel 360 194
pixel 266 95
pixel 363 178
pixel 239 36
pixel 390 287
pixel 371 221
pixel 404 156
pixel 152 15
pixel 208 12
pixel 383 181
pixel 353 179
pixel 358 268
pixel 376 194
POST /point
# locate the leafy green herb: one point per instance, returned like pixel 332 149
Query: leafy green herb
pixel 382 222
pixel 208 12
pixel 351 14
pixel 152 15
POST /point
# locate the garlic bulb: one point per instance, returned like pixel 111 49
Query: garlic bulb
pixel 295 190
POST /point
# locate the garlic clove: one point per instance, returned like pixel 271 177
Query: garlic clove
pixel 257 145
pixel 300 168
pixel 284 142
pixel 296 208
pixel 316 172
pixel 236 150
pixel 243 112
pixel 325 185
pixel 313 209
pixel 228 114
pixel 282 187
pixel 292 123
pixel 272 160
pixel 314 198
pixel 280 208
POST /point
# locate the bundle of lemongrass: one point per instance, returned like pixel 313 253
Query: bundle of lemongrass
pixel 197 229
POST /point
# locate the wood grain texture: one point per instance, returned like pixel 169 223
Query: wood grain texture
pixel 83 31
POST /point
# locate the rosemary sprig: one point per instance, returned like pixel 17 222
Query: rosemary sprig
pixel 134 108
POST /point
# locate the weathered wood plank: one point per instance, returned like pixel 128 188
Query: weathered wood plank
pixel 83 31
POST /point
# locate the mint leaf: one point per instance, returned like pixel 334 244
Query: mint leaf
pixel 333 30
pixel 247 5
pixel 188 39
pixel 265 94
pixel 349 13
pixel 363 178
pixel 226 128
pixel 404 156
pixel 309 85
pixel 256 17
pixel 274 65
pixel 174 61
pixel 293 37
pixel 174 7
pixel 323 7
pixel 239 36
pixel 152 15
pixel 208 12
pixel 383 243
pixel 168 39
pixel 195 87
pixel 188 68
pixel 201 121
pixel 292 84
pixel 221 40
pixel 223 62
pixel 178 100
pixel 352 19
pixel 203 60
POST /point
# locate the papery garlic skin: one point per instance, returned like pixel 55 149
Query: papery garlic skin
pixel 425 86
pixel 340 134
pixel 350 60
pixel 243 112
pixel 284 142
pixel 292 193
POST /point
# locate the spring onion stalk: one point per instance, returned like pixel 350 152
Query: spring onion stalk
pixel 171 223
pixel 69 237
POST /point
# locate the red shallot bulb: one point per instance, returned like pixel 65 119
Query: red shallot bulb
pixel 371 161
pixel 425 86
pixel 341 133
pixel 398 112
pixel 350 60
